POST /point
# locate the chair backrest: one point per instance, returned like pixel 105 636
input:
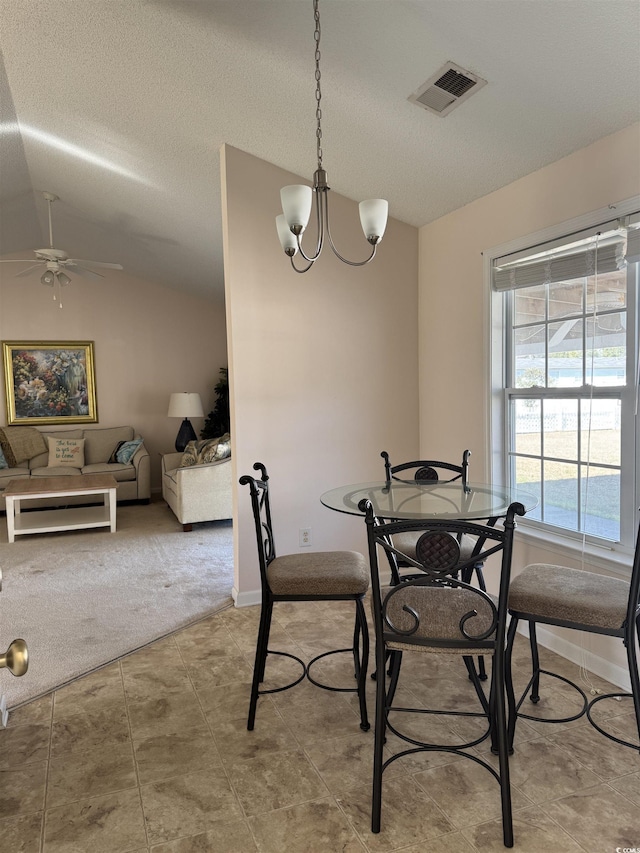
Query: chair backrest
pixel 437 609
pixel 428 470
pixel 261 506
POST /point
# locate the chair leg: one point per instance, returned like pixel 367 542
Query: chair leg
pixel 395 661
pixel 379 738
pixel 508 679
pixel 634 675
pixel 499 731
pixel 535 663
pixel 361 632
pixel 262 645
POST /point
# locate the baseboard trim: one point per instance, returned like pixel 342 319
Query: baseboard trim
pixel 246 599
pixel 616 674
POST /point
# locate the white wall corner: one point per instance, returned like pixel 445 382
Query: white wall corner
pixel 246 599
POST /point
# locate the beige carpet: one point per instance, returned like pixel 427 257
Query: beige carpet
pixel 83 599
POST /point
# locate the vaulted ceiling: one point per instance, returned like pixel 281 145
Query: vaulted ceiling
pixel 120 108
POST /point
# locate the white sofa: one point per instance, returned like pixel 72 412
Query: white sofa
pixel 198 492
pixel 134 478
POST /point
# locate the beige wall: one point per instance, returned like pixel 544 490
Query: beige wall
pixel 454 368
pixel 323 366
pixel 149 341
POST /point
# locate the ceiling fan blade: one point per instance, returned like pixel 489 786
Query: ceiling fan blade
pixel 28 270
pixel 95 264
pixel 83 272
pixel 16 260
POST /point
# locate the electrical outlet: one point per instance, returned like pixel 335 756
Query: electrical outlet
pixel 305 537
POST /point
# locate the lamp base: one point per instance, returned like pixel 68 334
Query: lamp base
pixel 186 433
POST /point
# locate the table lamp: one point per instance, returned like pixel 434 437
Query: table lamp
pixel 185 405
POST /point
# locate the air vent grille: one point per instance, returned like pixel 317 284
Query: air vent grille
pixel 446 89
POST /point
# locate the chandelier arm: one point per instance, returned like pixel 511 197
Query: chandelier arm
pixel 320 221
pixel 306 269
pixel 337 253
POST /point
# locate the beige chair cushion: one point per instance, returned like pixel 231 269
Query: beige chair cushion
pixel 570 595
pixel 319 573
pixel 440 610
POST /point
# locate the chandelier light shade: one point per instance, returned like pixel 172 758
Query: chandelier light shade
pixel 183 404
pixel 297 200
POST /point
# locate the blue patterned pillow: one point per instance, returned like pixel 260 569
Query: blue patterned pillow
pixel 3 461
pixel 127 450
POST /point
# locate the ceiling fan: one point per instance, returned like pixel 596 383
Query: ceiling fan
pixel 56 261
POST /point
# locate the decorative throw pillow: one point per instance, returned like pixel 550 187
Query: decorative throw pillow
pixel 3 461
pixel 210 450
pixel 114 455
pixel 66 452
pixel 126 450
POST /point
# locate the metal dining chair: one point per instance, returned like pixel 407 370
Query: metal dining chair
pixel 312 576
pixel 584 601
pixel 437 613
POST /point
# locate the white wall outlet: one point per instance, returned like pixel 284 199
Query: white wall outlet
pixel 305 537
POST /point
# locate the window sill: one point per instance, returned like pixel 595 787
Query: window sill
pixel 601 557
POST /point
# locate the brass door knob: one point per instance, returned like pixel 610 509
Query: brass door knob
pixel 16 658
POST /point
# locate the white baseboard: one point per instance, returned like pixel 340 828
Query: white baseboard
pixel 4 714
pixel 616 674
pixel 246 599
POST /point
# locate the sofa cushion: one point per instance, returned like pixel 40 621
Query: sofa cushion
pixel 42 459
pixel 66 452
pixel 99 444
pixel 122 473
pixel 210 450
pixel 7 474
pixel 57 471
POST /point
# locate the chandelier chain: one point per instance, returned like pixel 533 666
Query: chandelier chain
pixel 316 36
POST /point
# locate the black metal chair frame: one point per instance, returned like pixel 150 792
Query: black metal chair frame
pixel 628 632
pixel 380 535
pixel 260 502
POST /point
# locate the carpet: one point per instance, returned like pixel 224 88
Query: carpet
pixel 82 599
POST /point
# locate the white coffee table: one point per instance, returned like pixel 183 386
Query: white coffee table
pixel 21 491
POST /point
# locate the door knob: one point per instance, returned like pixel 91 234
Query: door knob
pixel 16 658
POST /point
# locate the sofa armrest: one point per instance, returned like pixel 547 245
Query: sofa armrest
pixel 141 461
pixel 170 461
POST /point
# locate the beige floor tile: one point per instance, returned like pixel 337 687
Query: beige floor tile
pixel 90 730
pixel 331 715
pixel 38 711
pixel 219 669
pixel 466 792
pixel 174 754
pixel 21 834
pixel 533 832
pixel 149 683
pixel 454 842
pixel 93 692
pixel 108 824
pixel 344 762
pixel 409 815
pixel 629 786
pixel 78 775
pixel 599 819
pixel 22 790
pixel 228 702
pixel 235 743
pixel 225 838
pixel 165 714
pixel 157 656
pixel 306 828
pixel 188 805
pixel 28 744
pixel 601 755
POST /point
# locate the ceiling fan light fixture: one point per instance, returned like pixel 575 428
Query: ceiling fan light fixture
pixel 297 200
pixel 47 278
pixel 63 279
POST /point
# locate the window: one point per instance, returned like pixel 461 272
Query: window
pixel 569 374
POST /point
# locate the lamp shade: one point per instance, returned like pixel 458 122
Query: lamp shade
pixel 296 204
pixel 373 217
pixel 286 235
pixel 185 405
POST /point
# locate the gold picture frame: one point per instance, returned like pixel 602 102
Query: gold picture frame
pixel 49 382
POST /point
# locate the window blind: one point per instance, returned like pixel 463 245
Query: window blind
pixel 571 258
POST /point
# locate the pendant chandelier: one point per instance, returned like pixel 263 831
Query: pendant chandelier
pixel 297 200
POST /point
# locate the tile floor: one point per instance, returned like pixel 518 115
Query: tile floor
pixel 152 754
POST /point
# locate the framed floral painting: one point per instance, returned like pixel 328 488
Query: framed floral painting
pixel 49 382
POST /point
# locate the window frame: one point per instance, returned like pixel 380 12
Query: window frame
pixel 616 557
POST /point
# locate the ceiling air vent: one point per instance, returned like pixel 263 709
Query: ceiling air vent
pixel 446 89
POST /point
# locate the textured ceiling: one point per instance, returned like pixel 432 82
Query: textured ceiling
pixel 120 107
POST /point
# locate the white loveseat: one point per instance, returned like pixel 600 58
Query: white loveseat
pixel 198 492
pixel 133 478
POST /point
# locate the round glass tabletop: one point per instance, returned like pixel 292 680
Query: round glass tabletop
pixel 412 499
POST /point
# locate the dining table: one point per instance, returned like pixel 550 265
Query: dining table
pixel 397 499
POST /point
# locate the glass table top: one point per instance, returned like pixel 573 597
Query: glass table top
pixel 411 499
